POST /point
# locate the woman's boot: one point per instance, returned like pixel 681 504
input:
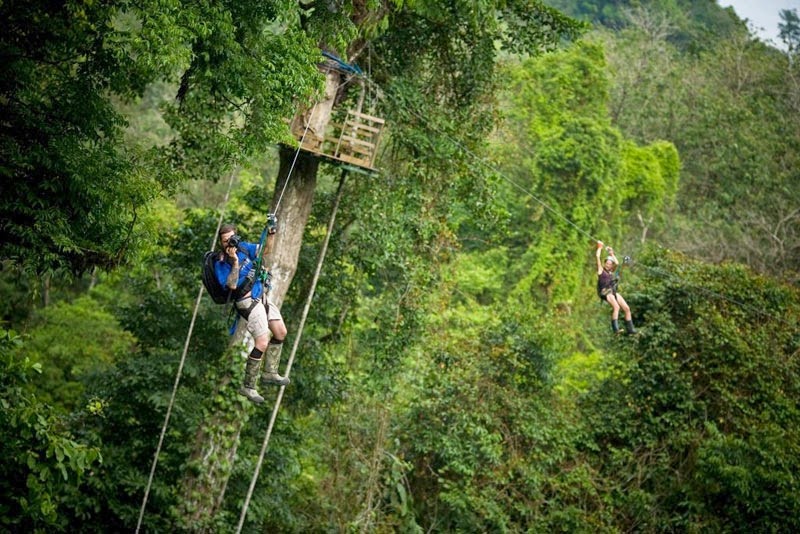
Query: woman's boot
pixel 629 329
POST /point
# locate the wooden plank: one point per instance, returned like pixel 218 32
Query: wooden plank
pixel 354 142
pixel 365 116
pixel 353 159
pixel 375 152
pixel 348 160
pixel 346 146
pixel 347 149
pixel 315 148
pixel 361 126
pixel 350 123
pixel 357 141
pixel 344 158
pixel 313 151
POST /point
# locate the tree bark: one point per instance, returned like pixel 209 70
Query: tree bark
pixel 294 195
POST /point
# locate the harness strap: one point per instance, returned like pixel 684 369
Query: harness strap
pixel 245 314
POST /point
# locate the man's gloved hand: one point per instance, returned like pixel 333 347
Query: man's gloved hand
pixel 272 223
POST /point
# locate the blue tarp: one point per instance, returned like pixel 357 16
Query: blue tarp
pixel 343 65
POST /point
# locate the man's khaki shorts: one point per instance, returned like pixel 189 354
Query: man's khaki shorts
pixel 258 320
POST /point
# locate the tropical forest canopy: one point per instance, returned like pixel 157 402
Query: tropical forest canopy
pixel 456 371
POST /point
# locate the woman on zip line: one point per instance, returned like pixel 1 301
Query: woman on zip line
pixel 607 281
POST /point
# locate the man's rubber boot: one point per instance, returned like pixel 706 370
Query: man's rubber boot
pixel 248 388
pixel 629 329
pixel 615 326
pixel 271 360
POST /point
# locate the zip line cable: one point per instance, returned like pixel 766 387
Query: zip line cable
pixel 712 293
pixel 263 238
pixel 294 160
pixel 303 317
pixel 492 168
pixel 182 362
pixel 305 312
pixel 544 204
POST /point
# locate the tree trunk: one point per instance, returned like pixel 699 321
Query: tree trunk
pixel 211 463
pixel 297 179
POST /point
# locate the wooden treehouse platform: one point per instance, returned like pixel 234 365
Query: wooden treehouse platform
pixel 355 142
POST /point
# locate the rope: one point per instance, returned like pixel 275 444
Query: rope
pixel 181 364
pixel 192 323
pixel 296 343
pixel 289 173
pixel 303 317
pixel 710 292
pixel 489 166
pixel 294 160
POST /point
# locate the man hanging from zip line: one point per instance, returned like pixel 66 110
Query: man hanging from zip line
pixel 235 269
pixel 607 281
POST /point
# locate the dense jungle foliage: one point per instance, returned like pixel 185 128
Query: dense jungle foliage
pixel 457 372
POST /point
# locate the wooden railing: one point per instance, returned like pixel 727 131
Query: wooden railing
pixel 355 141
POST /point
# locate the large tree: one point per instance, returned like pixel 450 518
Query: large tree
pixel 434 65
